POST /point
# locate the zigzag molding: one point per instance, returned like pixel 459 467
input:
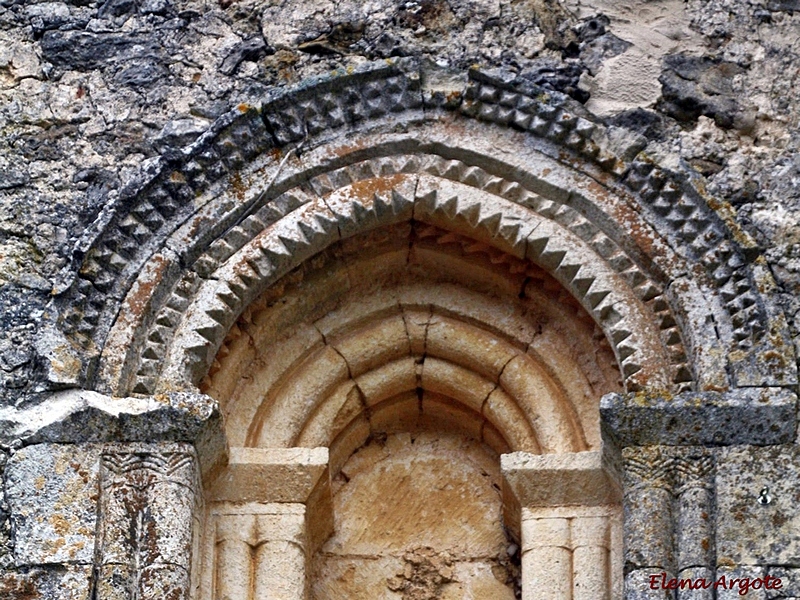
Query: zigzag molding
pixel 364 200
pixel 150 211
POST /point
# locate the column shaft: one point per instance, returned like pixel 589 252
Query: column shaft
pixel 546 559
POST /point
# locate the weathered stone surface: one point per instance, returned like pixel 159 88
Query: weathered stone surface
pixel 48 583
pixel 83 416
pixel 271 475
pixel 750 530
pixel 695 86
pixel 578 478
pixel 756 416
pixel 432 529
pixel 148 507
pixel 98 98
pixel 51 490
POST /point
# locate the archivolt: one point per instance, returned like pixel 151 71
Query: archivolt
pixel 414 325
pixel 636 245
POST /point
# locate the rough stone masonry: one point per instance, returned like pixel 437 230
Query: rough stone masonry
pixel 148 150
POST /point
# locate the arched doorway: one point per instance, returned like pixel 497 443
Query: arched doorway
pixel 418 356
pixel 517 197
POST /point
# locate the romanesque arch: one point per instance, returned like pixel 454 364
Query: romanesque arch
pixel 406 246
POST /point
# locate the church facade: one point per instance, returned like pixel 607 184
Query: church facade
pixel 405 328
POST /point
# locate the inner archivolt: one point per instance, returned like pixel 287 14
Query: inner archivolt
pixel 342 343
pixel 417 356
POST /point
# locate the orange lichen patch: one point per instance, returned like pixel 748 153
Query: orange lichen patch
pixel 60 524
pixel 243 107
pixel 367 188
pixel 348 149
pixel 238 186
pixel 139 300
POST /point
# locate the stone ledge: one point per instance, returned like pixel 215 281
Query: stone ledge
pixel 82 416
pixel 271 475
pixel 757 416
pixel 554 480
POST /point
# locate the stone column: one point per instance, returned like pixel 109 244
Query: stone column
pixel 270 510
pixel 564 502
pixel 546 558
pixel 647 504
pixel 694 471
pixel 671 523
pixel 590 558
pixel 148 501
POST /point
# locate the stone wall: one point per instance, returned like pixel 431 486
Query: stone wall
pixel 92 91
pixel 94 94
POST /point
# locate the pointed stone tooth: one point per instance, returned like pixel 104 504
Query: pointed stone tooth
pixel 582 285
pixel 619 335
pixel 551 259
pixel 450 207
pixel 630 368
pixel 569 271
pixel 472 214
pixel 492 222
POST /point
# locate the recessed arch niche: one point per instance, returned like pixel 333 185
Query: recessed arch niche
pixel 418 356
pixel 445 222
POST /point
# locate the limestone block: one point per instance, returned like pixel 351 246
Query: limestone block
pixel 51 490
pixel 750 532
pixel 734 591
pixel 744 416
pixel 477 580
pixel 375 344
pixel 436 492
pixel 299 395
pixel 271 475
pixel 440 413
pixel 507 417
pixel 637 585
pixel 52 583
pixel 332 416
pixel 388 380
pixel 546 408
pixel 468 346
pixel 357 578
pixel 351 438
pixel 545 533
pixel 443 377
pixel 579 478
pixel 401 413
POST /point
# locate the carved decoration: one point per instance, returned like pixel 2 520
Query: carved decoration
pixel 148 503
pixel 148 213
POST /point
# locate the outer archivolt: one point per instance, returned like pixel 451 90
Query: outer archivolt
pixel 498 213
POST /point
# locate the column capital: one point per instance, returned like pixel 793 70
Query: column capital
pixel 553 480
pixel 271 475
